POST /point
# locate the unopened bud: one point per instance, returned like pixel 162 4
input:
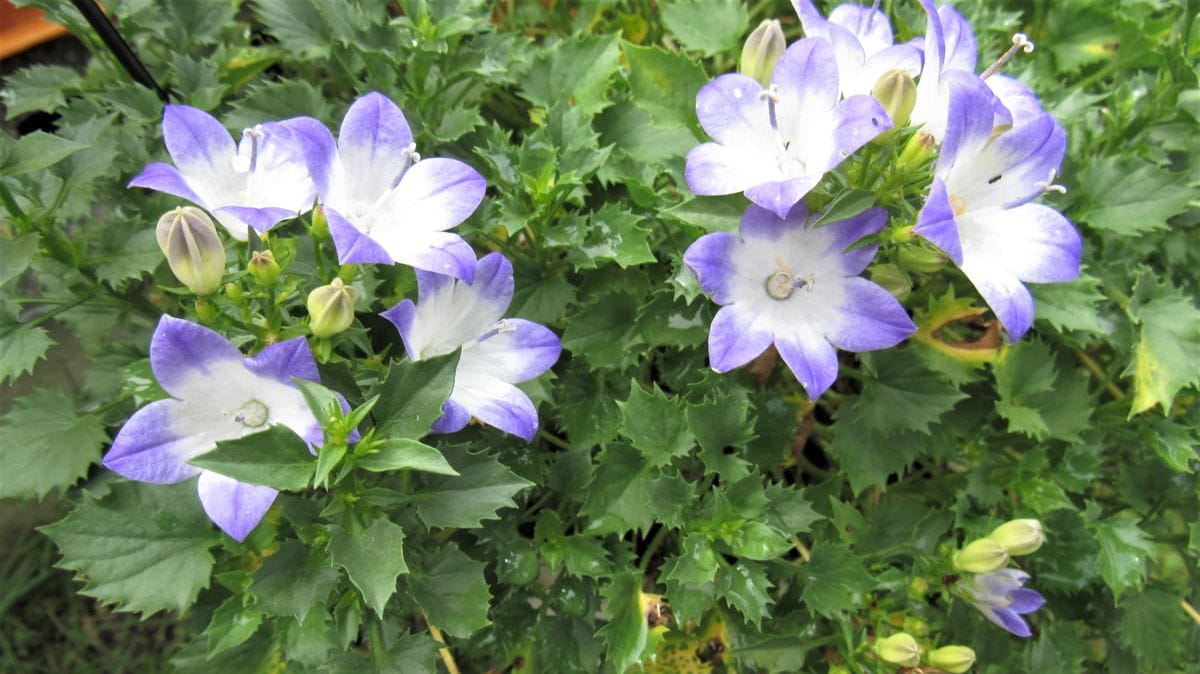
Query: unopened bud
pixel 916 153
pixel 916 626
pixel 320 224
pixel 762 51
pixel 331 308
pixel 1019 537
pixel 982 556
pixel 892 279
pixel 205 310
pixel 918 587
pixel 899 649
pixel 263 267
pixel 898 94
pixel 919 258
pixel 953 659
pixel 189 240
pixel 234 292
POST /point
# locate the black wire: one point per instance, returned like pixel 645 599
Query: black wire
pixel 119 47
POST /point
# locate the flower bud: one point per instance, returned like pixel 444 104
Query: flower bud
pixel 918 587
pixel 263 267
pixel 892 279
pixel 897 93
pixel 916 626
pixel 1019 537
pixel 194 252
pixel 320 224
pixel 234 292
pixel 331 308
pixel 916 153
pixel 953 659
pixel 762 51
pixel 982 556
pixel 919 258
pixel 899 649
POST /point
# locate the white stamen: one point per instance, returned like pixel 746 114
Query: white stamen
pixel 500 327
pixel 1048 185
pixel 411 156
pixel 871 16
pixel 246 159
pixel 771 96
pixel 1020 42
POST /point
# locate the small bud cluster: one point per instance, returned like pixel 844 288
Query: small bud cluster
pixel 904 650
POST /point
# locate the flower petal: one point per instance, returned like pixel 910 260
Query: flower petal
pixel 315 143
pixel 872 318
pixel 149 449
pixel 402 316
pixel 868 25
pixel 354 247
pixel 779 197
pixel 235 507
pixel 859 120
pixel 372 148
pixel 454 418
pixel 960 51
pixel 1025 600
pixel 1014 168
pixel 1008 619
pixel 261 219
pixel 937 224
pixel 809 356
pixel 731 110
pixel 443 253
pixel 519 351
pixel 727 169
pixel 735 338
pixel 969 121
pixel 496 403
pixel 1003 292
pixel 1017 98
pixel 284 360
pixel 849 231
pixel 203 151
pixel 903 57
pixel 165 178
pixel 709 259
pixel 807 75
pixel 434 195
pixel 179 349
pixel 1032 241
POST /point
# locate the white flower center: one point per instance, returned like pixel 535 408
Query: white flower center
pixel 253 414
pixel 781 284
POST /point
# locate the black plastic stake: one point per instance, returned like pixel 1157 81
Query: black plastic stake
pixel 119 47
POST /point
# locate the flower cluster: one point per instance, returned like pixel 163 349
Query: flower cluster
pixel 999 592
pixel 787 280
pixel 383 204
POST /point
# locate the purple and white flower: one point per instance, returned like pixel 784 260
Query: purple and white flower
pixel 1002 598
pixel 776 144
pixel 862 43
pixel 216 394
pixel 788 283
pixel 497 352
pixel 257 183
pixel 383 202
pixel 980 210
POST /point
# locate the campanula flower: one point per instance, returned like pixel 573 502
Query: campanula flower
pixel 257 182
pixel 216 394
pixel 1002 598
pixel 980 210
pixel 497 352
pixel 384 203
pixel 189 241
pixel 783 281
pixel 862 43
pixel 775 144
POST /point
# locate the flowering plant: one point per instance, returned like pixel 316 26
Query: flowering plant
pixel 689 336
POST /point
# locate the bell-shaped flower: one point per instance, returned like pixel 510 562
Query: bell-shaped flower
pixel 1002 597
pixel 497 352
pixel 257 183
pixel 216 394
pixel 384 203
pixel 862 42
pixel 785 282
pixel 979 210
pixel 775 144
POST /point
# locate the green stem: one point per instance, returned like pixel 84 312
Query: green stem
pixel 58 310
pixel 10 205
pixel 652 548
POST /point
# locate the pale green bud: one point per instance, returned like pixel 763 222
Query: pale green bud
pixel 263 267
pixel 892 279
pixel 919 258
pixel 916 153
pixel 953 659
pixel 320 224
pixel 918 587
pixel 331 308
pixel 897 93
pixel 193 250
pixel 1019 537
pixel 982 556
pixel 762 51
pixel 899 649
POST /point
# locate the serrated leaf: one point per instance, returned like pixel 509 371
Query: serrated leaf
pixel 18 253
pixel 39 87
pixel 626 634
pixel 141 547
pixel 1155 629
pixel 627 494
pixel 405 454
pixel 1124 550
pixel 576 71
pixel 20 350
pixel 655 425
pixel 611 234
pixel 744 587
pixel 231 625
pixel 36 151
pixel 1036 398
pixel 292 581
pixel 1071 306
pixel 411 396
pixel 712 214
pixel 483 486
pixel 298 25
pixel 45 446
pixel 1174 443
pixel 373 557
pixel 1167 355
pixel 664 85
pixel 1130 196
pixel 275 457
pixel 868 456
pixel 452 591
pixel 139 254
pixel 833 579
pixel 707 26
pixel 1041 495
pixel 903 395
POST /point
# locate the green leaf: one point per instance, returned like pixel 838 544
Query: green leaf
pixel 1036 398
pixel 707 26
pixel 833 579
pixel 664 85
pixel 411 396
pixel 18 253
pixel 612 234
pixel 1041 495
pixel 1167 355
pixel 372 556
pixel 1124 549
pixel 483 486
pixel 45 446
pixel 298 25
pixel 293 581
pixel 1071 306
pixel 576 71
pixel 845 205
pixel 1155 629
pixel 744 587
pixel 20 350
pixel 141 547
pixel 902 395
pixel 231 625
pixel 39 87
pixel 35 151
pixel 655 425
pixel 405 454
pixel 722 425
pixel 452 591
pixel 275 457
pixel 1130 196
pixel 626 494
pixel 868 456
pixel 1174 443
pixel 712 214
pixel 626 634
pixel 138 254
